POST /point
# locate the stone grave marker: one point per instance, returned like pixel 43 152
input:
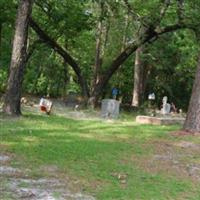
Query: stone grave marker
pixel 166 107
pixel 110 108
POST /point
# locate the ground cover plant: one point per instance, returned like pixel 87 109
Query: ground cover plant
pixel 108 159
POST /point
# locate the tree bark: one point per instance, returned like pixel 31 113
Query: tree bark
pixel 138 72
pixel 98 56
pixel 0 35
pixel 65 79
pixel 101 42
pixel 123 46
pixel 54 45
pixel 14 86
pixel 192 122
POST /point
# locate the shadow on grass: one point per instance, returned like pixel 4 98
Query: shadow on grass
pixel 92 150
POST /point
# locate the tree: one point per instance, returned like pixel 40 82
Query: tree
pixel 153 28
pixel 97 38
pixel 62 52
pixel 192 123
pixel 138 78
pixel 14 86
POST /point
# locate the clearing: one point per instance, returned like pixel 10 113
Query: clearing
pixel 54 157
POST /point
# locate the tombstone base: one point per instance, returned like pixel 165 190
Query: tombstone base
pixel 142 119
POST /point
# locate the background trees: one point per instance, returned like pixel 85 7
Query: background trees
pixel 88 47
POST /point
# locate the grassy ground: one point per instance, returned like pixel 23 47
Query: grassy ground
pixel 109 159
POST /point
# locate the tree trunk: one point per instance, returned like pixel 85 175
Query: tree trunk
pixel 146 70
pixel 192 123
pixel 0 35
pixel 148 35
pixel 101 42
pixel 65 79
pixel 138 79
pixel 98 57
pixel 123 46
pixel 13 92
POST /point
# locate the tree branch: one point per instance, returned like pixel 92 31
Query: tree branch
pixel 147 36
pixel 54 45
pixel 172 28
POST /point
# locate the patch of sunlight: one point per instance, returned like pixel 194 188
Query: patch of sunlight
pixel 87 136
pixel 8 143
pixel 123 136
pixel 60 132
pixel 91 136
pixel 103 126
pixel 31 139
pixel 125 123
pixel 144 135
pixel 99 137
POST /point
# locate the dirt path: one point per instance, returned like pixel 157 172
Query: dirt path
pixel 180 159
pixel 15 184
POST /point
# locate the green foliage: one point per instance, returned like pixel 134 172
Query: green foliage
pixel 173 67
pixel 73 25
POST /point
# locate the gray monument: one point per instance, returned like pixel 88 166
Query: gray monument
pixel 110 108
pixel 166 107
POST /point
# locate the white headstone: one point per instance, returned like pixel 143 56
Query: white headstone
pixel 152 96
pixel 46 103
pixel 166 107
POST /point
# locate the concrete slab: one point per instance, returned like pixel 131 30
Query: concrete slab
pixel 142 119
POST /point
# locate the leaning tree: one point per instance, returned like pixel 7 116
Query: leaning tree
pixel 155 25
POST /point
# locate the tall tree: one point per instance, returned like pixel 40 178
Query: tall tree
pixel 14 86
pixel 153 28
pixel 98 56
pixel 192 123
pixel 155 24
pixel 138 71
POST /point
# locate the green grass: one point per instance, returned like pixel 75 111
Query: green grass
pixel 92 151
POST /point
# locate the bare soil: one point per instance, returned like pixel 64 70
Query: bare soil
pixel 16 184
pixel 177 159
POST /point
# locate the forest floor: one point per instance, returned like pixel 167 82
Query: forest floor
pixel 73 154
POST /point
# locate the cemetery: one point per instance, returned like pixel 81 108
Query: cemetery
pixel 99 100
pixel 165 116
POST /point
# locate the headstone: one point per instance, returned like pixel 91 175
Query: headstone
pixel 152 96
pixel 110 108
pixel 166 107
pixel 45 105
